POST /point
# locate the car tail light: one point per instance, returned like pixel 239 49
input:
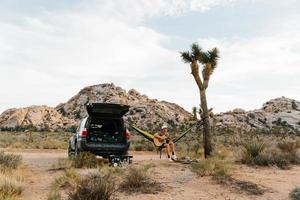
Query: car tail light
pixel 127 134
pixel 84 133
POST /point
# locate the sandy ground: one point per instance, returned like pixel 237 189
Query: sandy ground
pixel 179 182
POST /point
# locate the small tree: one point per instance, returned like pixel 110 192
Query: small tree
pixel 208 61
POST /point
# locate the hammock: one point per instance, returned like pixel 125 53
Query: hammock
pixel 150 136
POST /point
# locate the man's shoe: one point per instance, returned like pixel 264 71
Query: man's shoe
pixel 170 159
pixel 174 157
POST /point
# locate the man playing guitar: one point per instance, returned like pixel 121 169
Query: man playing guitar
pixel 162 139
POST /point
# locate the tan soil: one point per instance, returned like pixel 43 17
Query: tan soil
pixel 178 181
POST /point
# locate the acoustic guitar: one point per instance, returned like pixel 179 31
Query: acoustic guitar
pixel 159 141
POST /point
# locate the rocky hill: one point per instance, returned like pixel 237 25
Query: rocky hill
pixel 37 117
pixel 144 112
pixel 280 115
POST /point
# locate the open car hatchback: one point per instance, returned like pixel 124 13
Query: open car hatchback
pixel 102 132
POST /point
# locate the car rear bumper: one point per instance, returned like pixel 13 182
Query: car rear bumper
pixel 103 149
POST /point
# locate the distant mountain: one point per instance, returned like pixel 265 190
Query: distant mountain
pixel 280 115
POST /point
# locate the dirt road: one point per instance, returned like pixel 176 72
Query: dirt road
pixel 180 183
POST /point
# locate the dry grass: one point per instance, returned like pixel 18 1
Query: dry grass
pixel 34 140
pixel 215 167
pixel 85 160
pixel 54 195
pixel 9 160
pixel 9 187
pixel 11 179
pixel 138 180
pixel 94 187
pixel 62 164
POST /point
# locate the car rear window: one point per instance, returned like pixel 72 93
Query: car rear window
pixel 106 130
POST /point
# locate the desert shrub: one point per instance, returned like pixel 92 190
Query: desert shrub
pixel 54 195
pixel 295 194
pixel 137 180
pixel 248 187
pixel 67 179
pixel 94 187
pixel 85 160
pixel 222 153
pixel 217 168
pixel 290 150
pixel 251 150
pixel 9 187
pixel 9 161
pixel 272 157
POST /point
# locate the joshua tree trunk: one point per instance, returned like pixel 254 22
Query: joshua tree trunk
pixel 206 124
pixel 205 117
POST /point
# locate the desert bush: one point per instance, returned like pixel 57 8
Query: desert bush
pixel 215 167
pixel 290 150
pixel 9 187
pixel 9 161
pixel 251 150
pixel 273 157
pixel 248 187
pixel 67 179
pixel 54 195
pixel 222 153
pixel 295 194
pixel 85 160
pixel 137 180
pixel 94 187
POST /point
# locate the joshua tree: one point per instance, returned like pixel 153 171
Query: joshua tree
pixel 194 111
pixel 208 62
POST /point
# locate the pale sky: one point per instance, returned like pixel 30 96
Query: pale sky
pixel 50 49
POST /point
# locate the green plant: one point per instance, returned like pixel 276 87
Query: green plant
pixel 251 150
pixel 94 187
pixel 9 161
pixel 295 194
pixel 137 180
pixel 85 160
